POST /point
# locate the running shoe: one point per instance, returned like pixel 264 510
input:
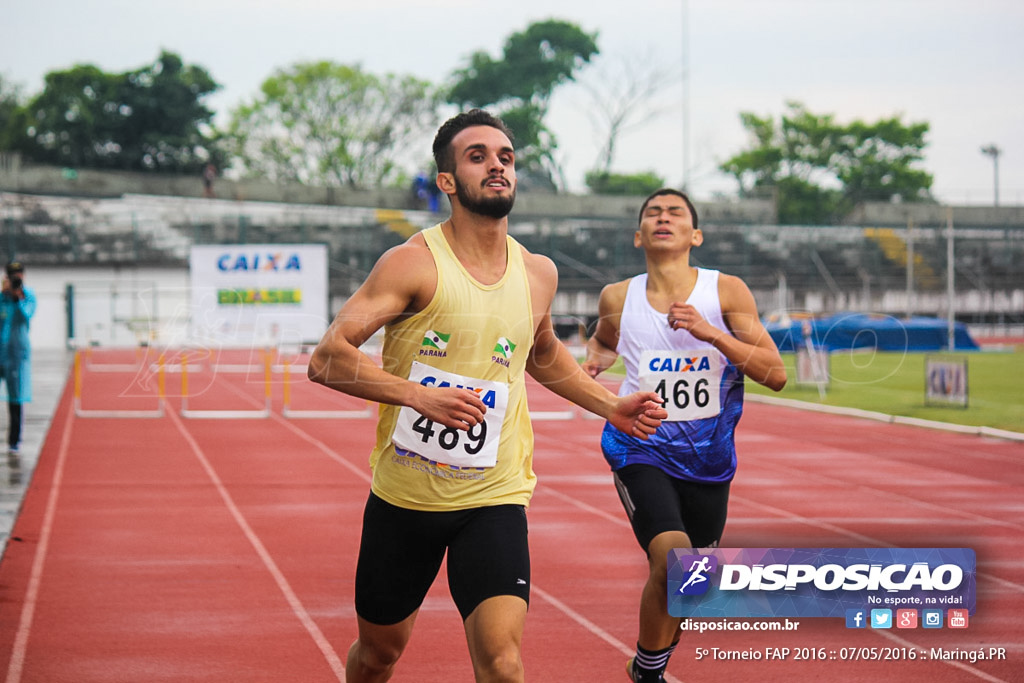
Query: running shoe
pixel 631 672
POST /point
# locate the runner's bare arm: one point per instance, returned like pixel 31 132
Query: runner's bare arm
pixel 401 283
pixel 601 353
pixel 551 364
pixel 751 349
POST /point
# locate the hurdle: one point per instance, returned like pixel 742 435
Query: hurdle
pixel 263 412
pixel 182 357
pixel 93 366
pixel 240 367
pixel 288 411
pixel 552 415
pixel 91 413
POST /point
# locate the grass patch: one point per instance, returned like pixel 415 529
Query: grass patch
pixel 893 383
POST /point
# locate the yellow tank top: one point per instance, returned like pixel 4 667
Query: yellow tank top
pixel 473 335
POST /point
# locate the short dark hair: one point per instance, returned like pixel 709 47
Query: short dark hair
pixel 668 190
pixel 15 267
pixel 444 155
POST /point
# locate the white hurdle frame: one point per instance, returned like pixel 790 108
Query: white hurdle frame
pixel 91 413
pixel 286 369
pixel 227 414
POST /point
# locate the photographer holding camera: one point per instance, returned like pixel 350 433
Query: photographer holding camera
pixel 17 306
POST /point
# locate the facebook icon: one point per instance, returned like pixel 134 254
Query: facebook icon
pixel 856 618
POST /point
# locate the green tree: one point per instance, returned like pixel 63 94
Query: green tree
pixel 632 184
pixel 519 85
pixel 149 119
pixel 331 124
pixel 818 170
pixel 12 115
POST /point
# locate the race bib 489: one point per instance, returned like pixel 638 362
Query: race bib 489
pixel 477 447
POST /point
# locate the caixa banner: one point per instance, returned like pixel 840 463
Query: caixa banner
pixel 817 582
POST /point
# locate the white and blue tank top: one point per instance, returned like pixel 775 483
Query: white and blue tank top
pixel 702 388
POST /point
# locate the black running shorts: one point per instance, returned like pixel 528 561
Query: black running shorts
pixel 656 503
pixel 401 551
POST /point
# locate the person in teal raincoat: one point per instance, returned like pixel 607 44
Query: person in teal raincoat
pixel 17 306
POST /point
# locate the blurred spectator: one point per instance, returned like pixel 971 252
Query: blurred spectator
pixel 17 306
pixel 209 175
pixel 426 192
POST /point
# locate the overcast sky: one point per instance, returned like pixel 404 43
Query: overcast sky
pixel 958 65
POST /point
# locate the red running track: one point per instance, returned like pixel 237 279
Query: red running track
pixel 179 549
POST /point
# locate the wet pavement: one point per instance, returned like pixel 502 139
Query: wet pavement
pixel 49 374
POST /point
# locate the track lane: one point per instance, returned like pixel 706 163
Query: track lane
pixel 300 486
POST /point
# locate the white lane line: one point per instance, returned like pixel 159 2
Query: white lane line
pixel 867 540
pixel 592 627
pixel 309 438
pixel 293 600
pixel 889 496
pixel 555 602
pixel 618 520
pixel 28 610
pixel 598 631
pixel 359 471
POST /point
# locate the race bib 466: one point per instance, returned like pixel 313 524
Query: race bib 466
pixel 687 381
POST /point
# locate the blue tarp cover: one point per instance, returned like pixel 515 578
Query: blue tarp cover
pixel 845 331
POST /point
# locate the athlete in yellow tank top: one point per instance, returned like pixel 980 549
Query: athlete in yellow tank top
pixel 466 311
pixel 470 334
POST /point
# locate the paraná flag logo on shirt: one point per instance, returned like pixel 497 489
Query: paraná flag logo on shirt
pixel 504 347
pixel 437 340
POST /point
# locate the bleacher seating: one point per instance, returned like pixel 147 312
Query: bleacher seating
pixel 832 262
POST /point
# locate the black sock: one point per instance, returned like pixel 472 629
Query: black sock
pixel 649 665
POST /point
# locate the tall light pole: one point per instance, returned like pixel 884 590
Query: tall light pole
pixel 994 152
pixel 686 95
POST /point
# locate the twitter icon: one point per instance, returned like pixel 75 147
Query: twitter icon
pixel 881 618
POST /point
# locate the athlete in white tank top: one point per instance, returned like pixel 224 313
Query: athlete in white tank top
pixel 690 335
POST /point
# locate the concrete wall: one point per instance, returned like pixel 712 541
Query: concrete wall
pixel 105 296
pixel 107 303
pixel 898 215
pixel 17 177
pixel 126 305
